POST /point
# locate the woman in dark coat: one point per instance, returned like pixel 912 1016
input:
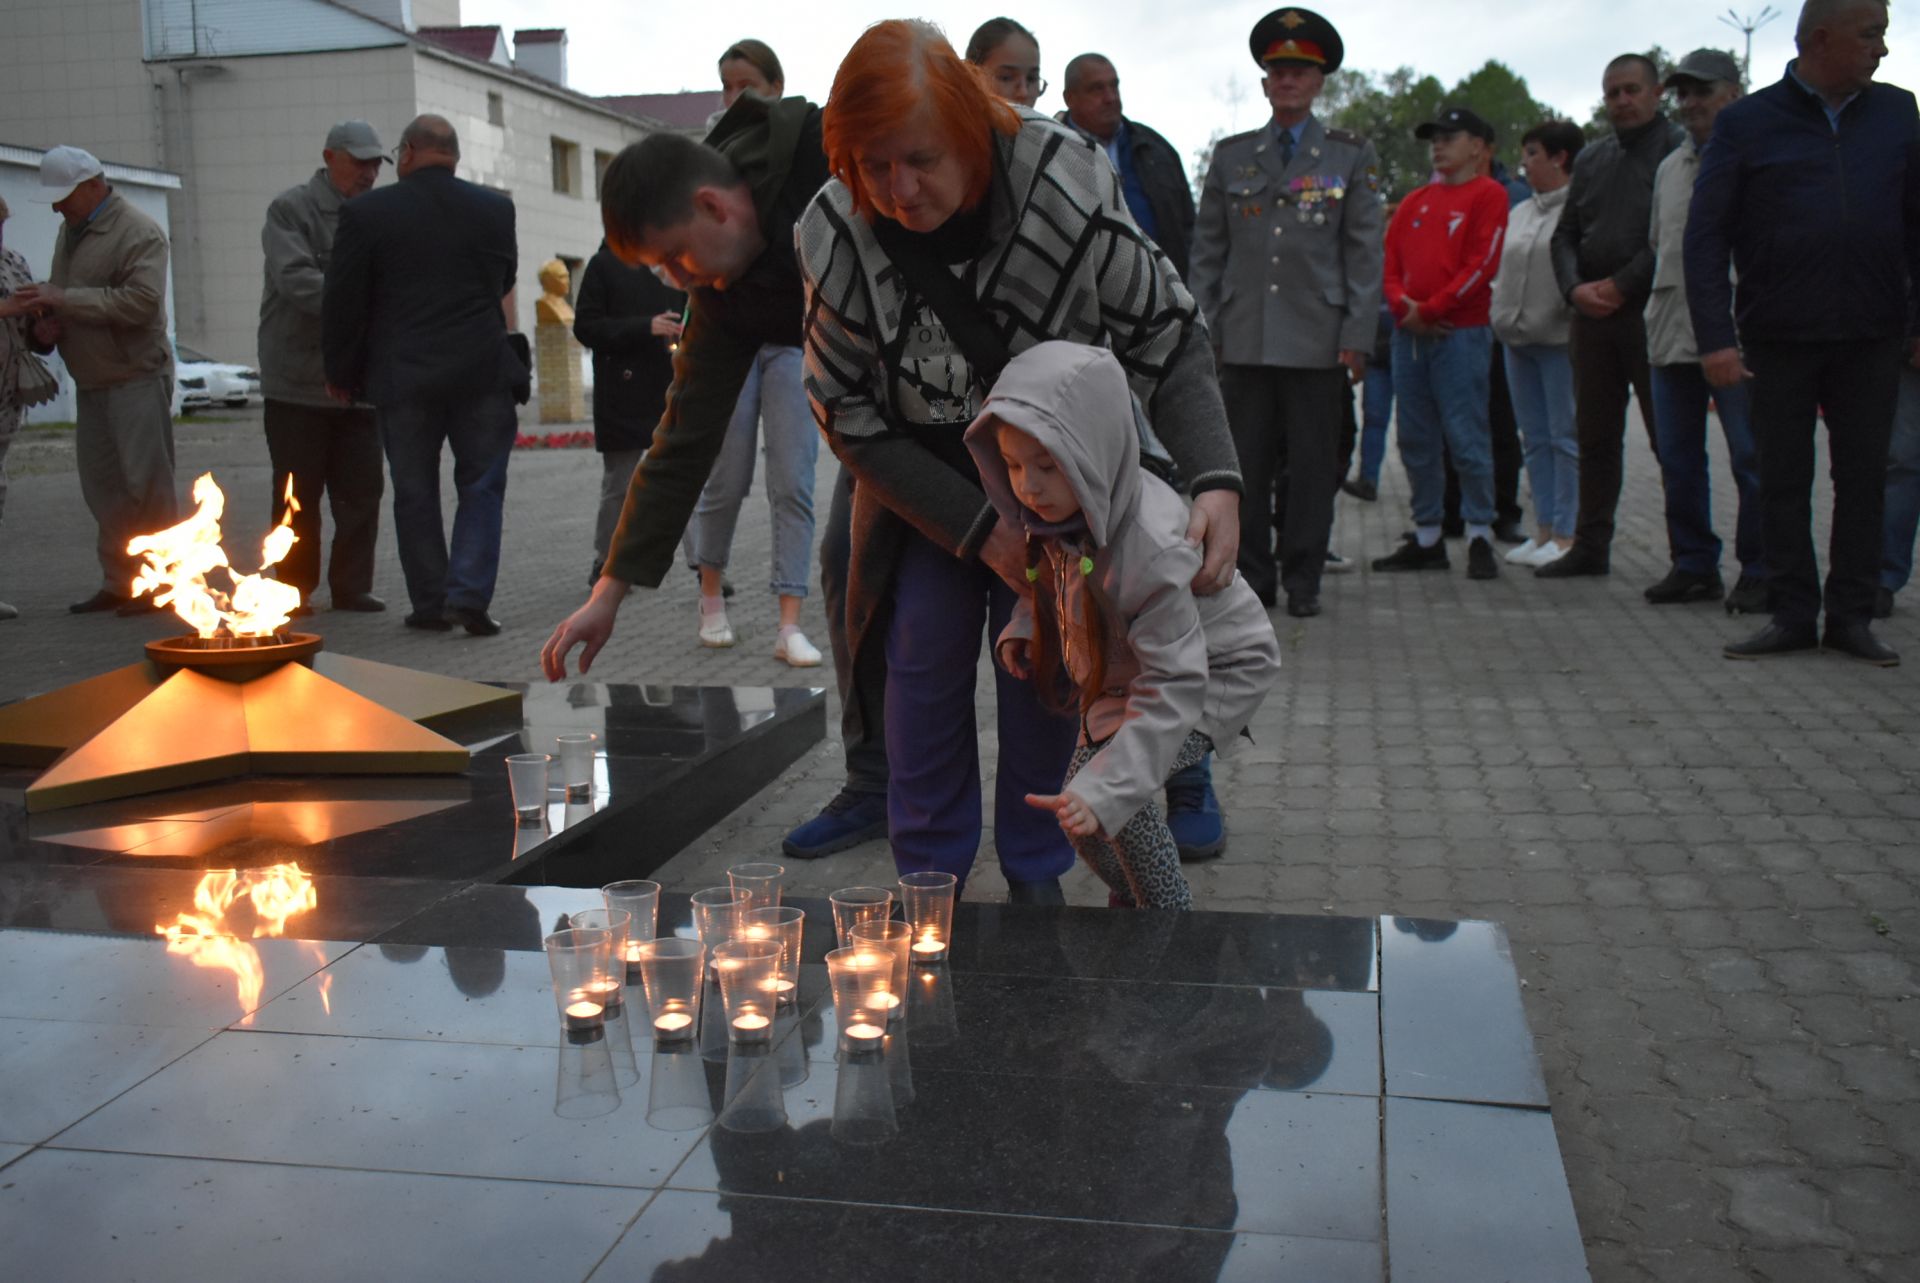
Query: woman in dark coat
pixel 630 321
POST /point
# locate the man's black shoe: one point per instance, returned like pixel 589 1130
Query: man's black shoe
pixel 1411 556
pixel 1302 605
pixel 429 623
pixel 1509 532
pixel 1480 561
pixel 1361 489
pixel 1684 586
pixel 363 602
pixel 1855 639
pixel 102 600
pixel 1774 639
pixel 1883 603
pixel 138 606
pixel 474 620
pixel 1578 561
pixel 1749 596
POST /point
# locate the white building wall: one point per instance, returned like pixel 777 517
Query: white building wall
pixel 71 72
pixel 517 158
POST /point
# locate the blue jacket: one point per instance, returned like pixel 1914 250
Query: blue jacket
pixel 1822 226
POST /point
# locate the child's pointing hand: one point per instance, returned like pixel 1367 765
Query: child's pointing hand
pixel 1075 816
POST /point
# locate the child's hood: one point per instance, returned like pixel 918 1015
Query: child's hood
pixel 1073 399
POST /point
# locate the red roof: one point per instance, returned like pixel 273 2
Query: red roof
pixel 682 110
pixel 472 42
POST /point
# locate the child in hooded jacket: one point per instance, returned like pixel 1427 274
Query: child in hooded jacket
pixel 1113 631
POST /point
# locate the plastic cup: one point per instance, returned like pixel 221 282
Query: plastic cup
pixel 581 961
pixel 890 938
pixel 785 925
pixel 671 971
pixel 576 763
pixel 761 883
pixel 641 900
pixel 527 776
pixel 748 969
pixel 858 904
pixel 928 901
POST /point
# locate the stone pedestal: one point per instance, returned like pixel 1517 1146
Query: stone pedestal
pixel 556 363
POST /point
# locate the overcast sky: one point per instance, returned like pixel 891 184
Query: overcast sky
pixel 1178 62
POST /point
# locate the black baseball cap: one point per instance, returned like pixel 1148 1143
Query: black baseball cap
pixel 1455 120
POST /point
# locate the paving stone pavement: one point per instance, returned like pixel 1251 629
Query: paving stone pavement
pixel 1710 871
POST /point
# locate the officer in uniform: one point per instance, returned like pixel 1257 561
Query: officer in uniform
pixel 1286 268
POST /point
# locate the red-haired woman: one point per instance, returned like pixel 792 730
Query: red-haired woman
pixel 957 231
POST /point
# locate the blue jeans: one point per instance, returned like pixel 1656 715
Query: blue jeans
pixel 1680 395
pixel 1540 380
pixel 480 429
pixel 772 398
pixel 940 607
pixel 1442 385
pixel 1903 485
pixel 1376 410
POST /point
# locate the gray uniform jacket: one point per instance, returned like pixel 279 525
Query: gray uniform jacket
pixel 1286 261
pixel 1669 325
pixel 298 240
pixel 1174 663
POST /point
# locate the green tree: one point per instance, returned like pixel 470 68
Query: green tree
pixel 1387 108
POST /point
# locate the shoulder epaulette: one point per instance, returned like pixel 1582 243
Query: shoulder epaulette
pixel 1234 138
pixel 1346 136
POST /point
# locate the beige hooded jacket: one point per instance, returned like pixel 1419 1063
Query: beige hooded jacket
pixel 1176 663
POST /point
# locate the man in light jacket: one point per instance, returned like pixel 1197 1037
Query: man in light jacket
pixel 104 306
pixel 322 445
pixel 1704 81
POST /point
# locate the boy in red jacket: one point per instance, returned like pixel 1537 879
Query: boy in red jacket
pixel 1443 248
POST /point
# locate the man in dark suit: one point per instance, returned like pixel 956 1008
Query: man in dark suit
pixel 1810 191
pixel 411 320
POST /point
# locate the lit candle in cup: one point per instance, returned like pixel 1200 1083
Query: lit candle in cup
pixel 864 1035
pixel 583 1013
pixel 930 947
pixel 670 1024
pixel 608 994
pixel 634 975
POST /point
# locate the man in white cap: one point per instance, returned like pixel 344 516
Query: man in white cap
pixel 104 307
pixel 323 446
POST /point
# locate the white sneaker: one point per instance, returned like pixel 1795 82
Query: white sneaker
pixel 1523 555
pixel 715 631
pixel 796 650
pixel 1336 564
pixel 1548 553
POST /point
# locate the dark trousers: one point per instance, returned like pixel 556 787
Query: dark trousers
pixel 942 606
pixel 480 430
pixel 1507 455
pixel 1285 420
pixel 1854 386
pixel 333 451
pixel 862 679
pixel 1609 358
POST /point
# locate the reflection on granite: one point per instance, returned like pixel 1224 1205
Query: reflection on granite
pixel 1451 1023
pixel 653 740
pixel 1075 1093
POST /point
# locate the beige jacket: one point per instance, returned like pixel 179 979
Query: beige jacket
pixel 1528 308
pixel 114 322
pixel 1175 663
pixel 1669 327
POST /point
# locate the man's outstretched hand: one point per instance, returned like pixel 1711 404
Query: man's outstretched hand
pixel 590 627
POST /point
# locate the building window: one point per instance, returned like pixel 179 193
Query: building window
pixel 496 109
pixel 601 159
pixel 566 167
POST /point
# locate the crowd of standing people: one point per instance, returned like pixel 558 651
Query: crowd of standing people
pixel 1020 333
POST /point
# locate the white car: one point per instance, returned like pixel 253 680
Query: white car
pixel 205 382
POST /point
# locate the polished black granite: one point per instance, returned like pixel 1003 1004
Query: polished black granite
pixel 1077 1093
pixel 671 762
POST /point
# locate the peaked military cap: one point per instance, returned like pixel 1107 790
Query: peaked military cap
pixel 1296 35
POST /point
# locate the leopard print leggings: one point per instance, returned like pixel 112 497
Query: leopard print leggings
pixel 1140 864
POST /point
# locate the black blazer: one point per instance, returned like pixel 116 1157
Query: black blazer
pixel 412 302
pixel 632 368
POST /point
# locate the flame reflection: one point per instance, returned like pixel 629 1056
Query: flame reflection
pixel 204 936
